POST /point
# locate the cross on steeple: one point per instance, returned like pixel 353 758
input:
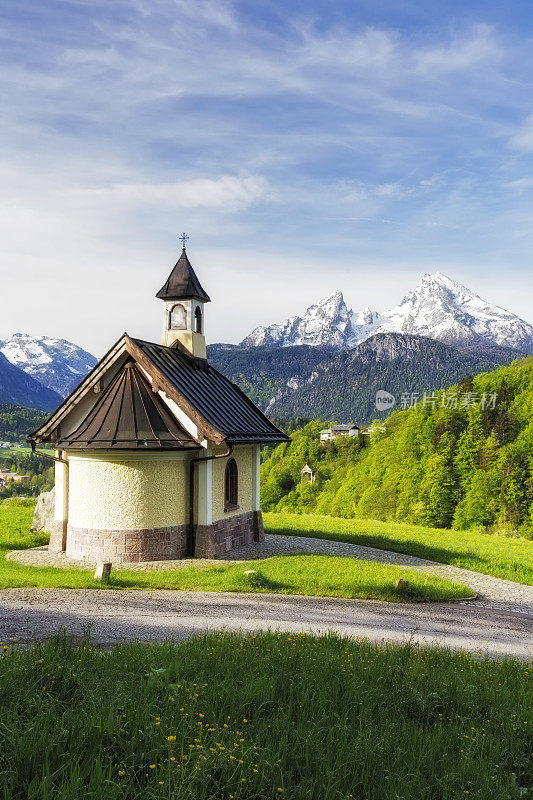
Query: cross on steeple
pixel 183 239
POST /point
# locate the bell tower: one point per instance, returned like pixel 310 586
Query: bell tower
pixel 184 300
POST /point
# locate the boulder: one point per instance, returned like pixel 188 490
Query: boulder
pixel 43 518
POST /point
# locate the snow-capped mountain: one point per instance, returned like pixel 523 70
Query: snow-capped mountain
pixel 326 323
pixel 443 309
pixel 55 363
pixel 22 390
pixel 439 308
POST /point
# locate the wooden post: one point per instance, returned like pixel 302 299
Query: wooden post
pixel 103 571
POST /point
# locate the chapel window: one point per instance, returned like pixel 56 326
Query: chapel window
pixel 198 320
pixel 231 486
pixel 178 318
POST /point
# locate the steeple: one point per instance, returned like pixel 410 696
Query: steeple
pixel 184 299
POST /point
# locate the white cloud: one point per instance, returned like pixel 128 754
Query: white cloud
pixel 227 192
pixel 154 116
pixel 461 54
pixel 522 139
pixel 345 50
pixel 521 184
pixel 218 13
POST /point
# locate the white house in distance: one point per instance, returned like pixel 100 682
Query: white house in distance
pixel 346 431
pixel 157 453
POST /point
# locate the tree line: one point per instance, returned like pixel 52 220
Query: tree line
pixel 453 462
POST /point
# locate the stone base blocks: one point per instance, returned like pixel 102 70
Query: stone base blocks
pixel 228 533
pixel 153 544
pixel 158 544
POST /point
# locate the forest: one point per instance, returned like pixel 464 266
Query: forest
pixel 16 422
pixel 463 459
pixel 40 470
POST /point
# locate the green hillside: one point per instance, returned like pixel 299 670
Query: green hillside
pixel 465 467
pixel 263 372
pixel 16 422
pixel 322 383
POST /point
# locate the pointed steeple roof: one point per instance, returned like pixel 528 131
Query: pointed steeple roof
pixel 129 416
pixel 183 282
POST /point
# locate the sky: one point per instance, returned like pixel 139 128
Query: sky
pixel 304 147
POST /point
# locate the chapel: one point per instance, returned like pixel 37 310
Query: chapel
pixel 157 453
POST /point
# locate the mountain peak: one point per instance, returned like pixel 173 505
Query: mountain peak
pixel 439 308
pixel 336 296
pixel 55 363
pixel 324 323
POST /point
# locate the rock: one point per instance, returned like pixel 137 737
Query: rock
pixel 43 518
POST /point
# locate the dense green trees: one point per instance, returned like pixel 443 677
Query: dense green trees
pixel 464 460
pixel 40 470
pixel 16 422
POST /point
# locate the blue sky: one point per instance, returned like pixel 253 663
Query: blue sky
pixel 304 147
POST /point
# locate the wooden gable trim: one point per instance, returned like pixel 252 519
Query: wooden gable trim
pixel 89 383
pixel 93 379
pixel 164 385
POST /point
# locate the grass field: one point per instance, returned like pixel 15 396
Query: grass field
pixel 501 556
pixel 23 450
pixel 269 716
pixel 309 575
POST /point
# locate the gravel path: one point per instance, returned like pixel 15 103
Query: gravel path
pixel 494 593
pixel 120 616
pixel 499 622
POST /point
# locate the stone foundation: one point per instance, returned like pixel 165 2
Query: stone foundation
pixel 226 534
pixel 157 544
pixel 154 544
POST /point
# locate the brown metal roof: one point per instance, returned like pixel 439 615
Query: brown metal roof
pixel 129 416
pixel 218 401
pixel 183 282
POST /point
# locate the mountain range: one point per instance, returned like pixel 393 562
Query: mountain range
pixel 438 308
pixel 331 384
pixel 55 363
pixel 329 363
pixel 21 389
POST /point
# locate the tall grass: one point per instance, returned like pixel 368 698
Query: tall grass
pixel 268 716
pixel 501 556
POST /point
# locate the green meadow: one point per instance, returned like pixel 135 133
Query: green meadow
pixel 502 556
pixel 225 717
pixel 307 575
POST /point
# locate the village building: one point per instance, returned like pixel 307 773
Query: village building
pixel 374 429
pixel 14 477
pixel 345 431
pixel 157 453
pixel 308 474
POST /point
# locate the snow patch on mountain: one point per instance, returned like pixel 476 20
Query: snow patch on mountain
pixel 439 308
pixel 444 309
pixel 55 363
pixel 325 323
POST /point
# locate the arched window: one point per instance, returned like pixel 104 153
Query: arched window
pixel 178 318
pixel 231 486
pixel 198 320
